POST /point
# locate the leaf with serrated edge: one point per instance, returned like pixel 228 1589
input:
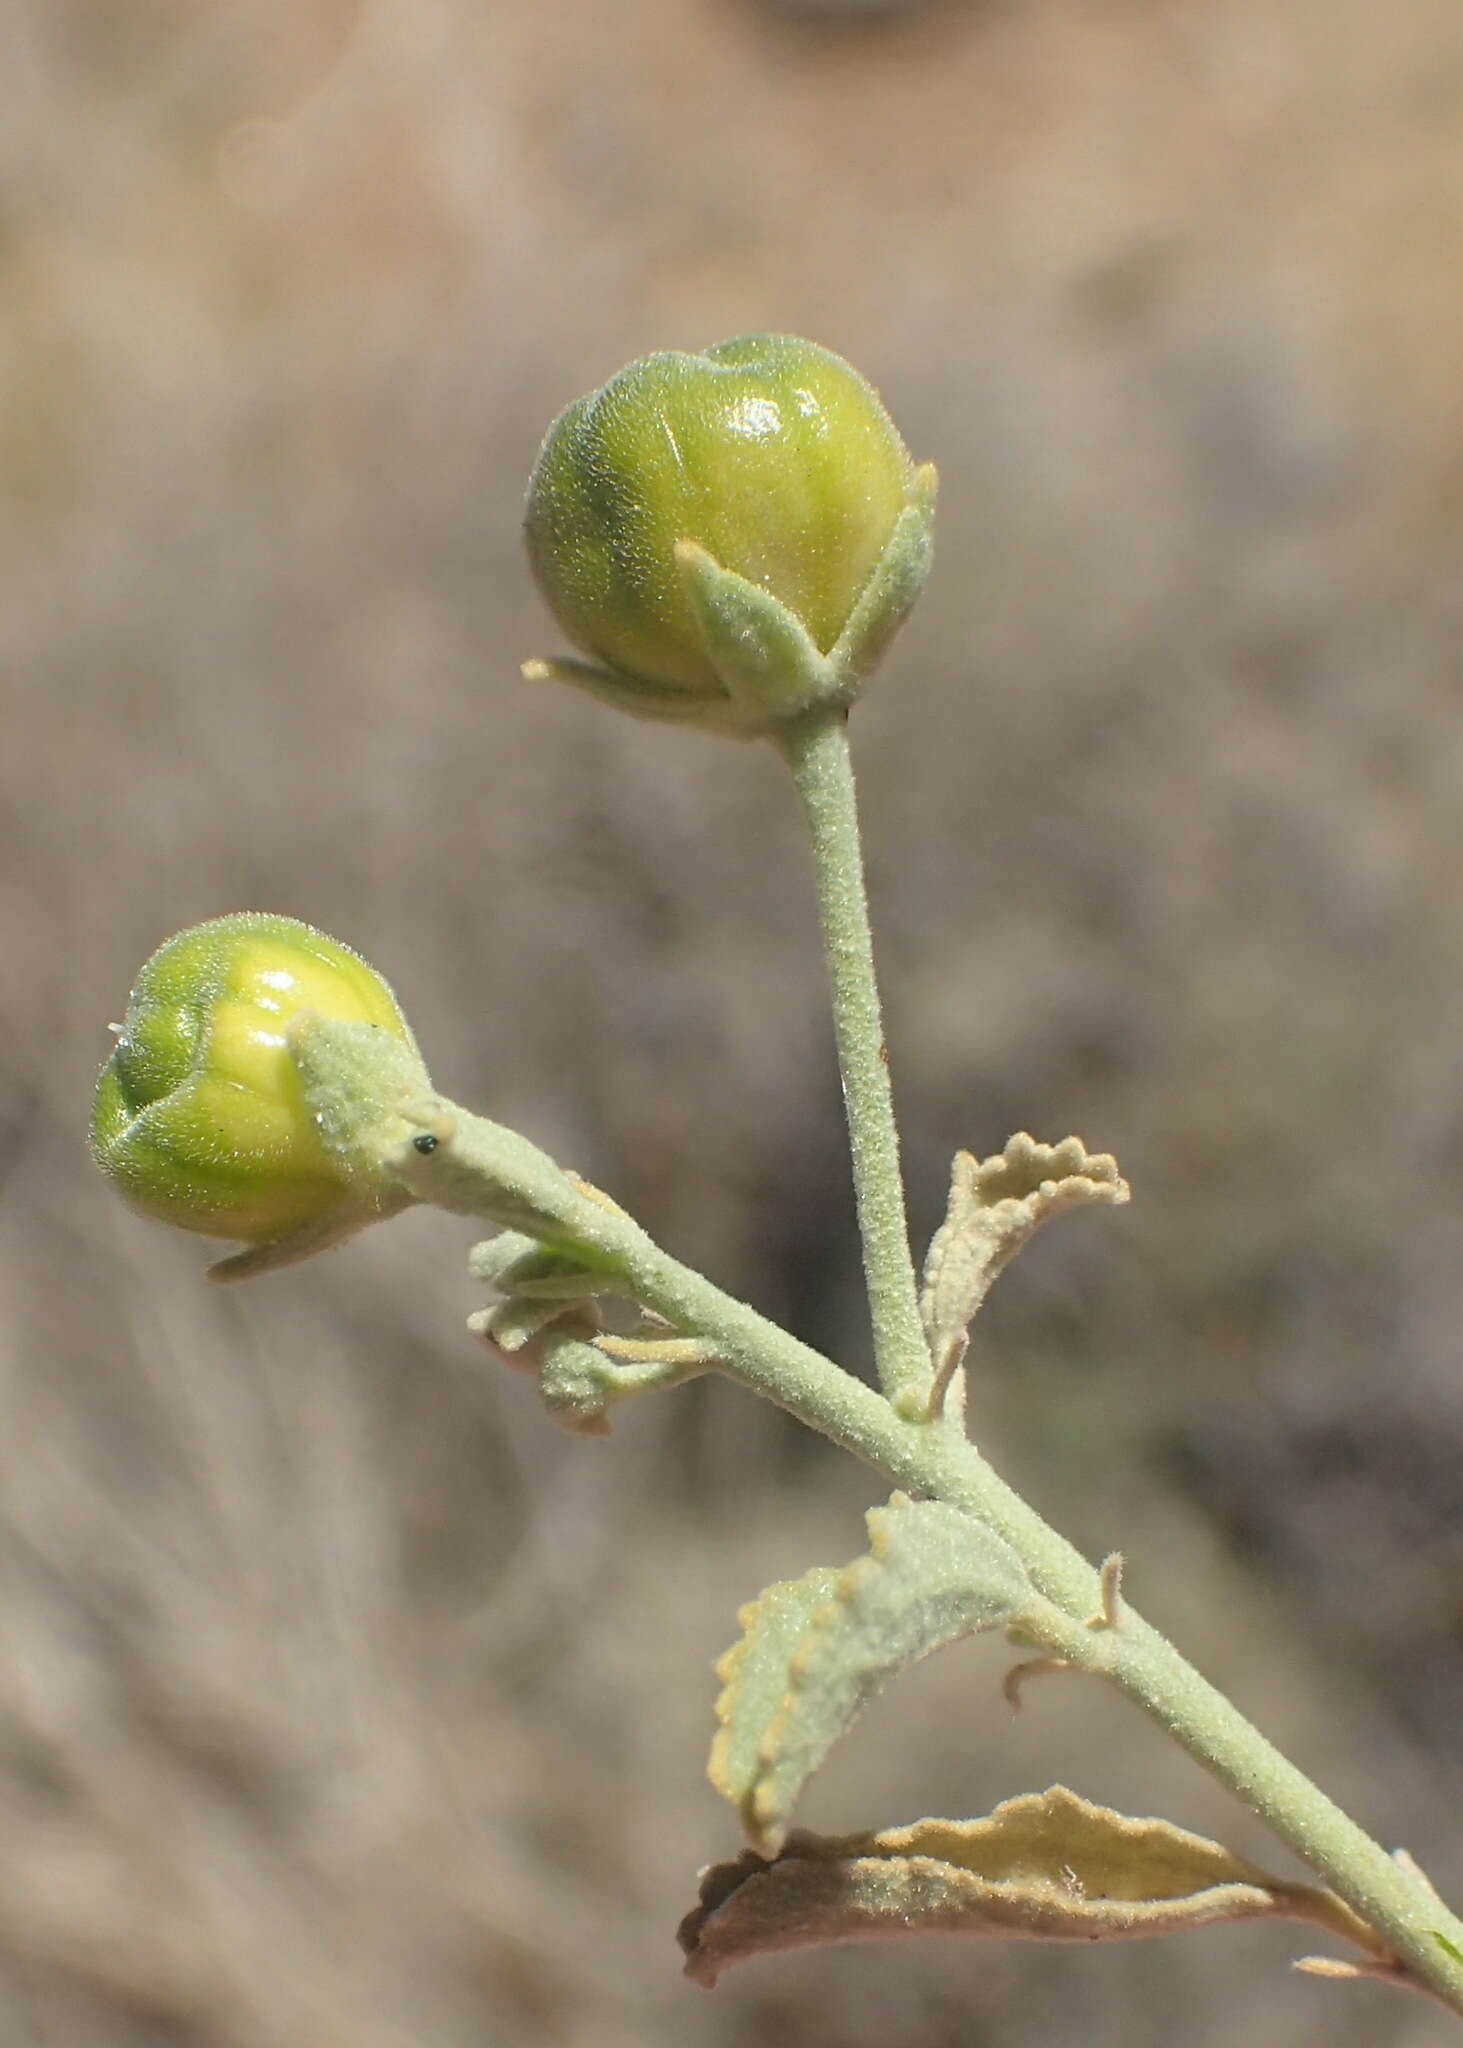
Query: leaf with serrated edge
pixel 754 1676
pixel 995 1205
pixel 827 1643
pixel 1047 1866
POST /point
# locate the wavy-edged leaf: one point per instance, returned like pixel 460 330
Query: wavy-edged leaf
pixel 995 1205
pixel 818 1648
pixel 754 1675
pixel 1047 1866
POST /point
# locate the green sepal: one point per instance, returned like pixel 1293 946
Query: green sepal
pixel 322 1235
pixel 762 653
pixel 351 1077
pixel 889 595
pixel 644 699
pixel 360 1084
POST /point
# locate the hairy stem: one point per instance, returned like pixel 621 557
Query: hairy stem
pixel 478 1168
pixel 816 749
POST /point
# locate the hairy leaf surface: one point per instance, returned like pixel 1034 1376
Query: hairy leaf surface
pixel 1046 1866
pixel 816 1649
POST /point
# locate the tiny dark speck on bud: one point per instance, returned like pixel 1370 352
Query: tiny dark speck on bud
pixel 425 1143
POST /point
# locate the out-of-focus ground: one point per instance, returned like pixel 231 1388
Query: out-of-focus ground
pixel 343 1702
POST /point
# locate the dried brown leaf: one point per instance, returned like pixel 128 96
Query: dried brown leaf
pixel 994 1206
pixel 1046 1867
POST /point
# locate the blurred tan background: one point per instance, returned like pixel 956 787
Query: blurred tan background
pixel 343 1702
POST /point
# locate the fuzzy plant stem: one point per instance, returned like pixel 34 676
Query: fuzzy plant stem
pixel 467 1165
pixel 478 1168
pixel 816 749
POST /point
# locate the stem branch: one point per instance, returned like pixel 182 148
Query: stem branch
pixel 816 749
pixel 481 1167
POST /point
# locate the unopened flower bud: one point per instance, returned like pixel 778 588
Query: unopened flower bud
pixel 732 537
pixel 200 1117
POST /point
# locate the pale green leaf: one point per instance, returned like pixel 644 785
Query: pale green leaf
pixel 818 1648
pixel 754 1675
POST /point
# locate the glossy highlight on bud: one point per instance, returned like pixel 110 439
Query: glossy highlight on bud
pixel 200 1119
pixel 732 536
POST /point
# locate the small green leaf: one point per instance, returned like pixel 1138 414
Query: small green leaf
pixel 754 1675
pixel 1045 1867
pixel 513 1324
pixel 539 1287
pixel 571 1380
pixel 500 1260
pixel 1449 1948
pixel 994 1207
pixel 817 1649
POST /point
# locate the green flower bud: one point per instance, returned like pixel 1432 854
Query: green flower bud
pixel 733 537
pixel 200 1117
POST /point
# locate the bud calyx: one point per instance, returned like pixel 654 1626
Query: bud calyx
pixel 201 1119
pixel 733 537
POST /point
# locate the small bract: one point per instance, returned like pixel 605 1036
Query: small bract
pixel 733 536
pixel 200 1119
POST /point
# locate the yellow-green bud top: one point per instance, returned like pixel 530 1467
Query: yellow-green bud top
pixel 768 454
pixel 200 1119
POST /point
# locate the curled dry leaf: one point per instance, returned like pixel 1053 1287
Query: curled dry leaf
pixel 815 1650
pixel 1046 1866
pixel 994 1206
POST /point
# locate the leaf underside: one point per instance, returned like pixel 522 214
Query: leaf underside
pixel 1046 1866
